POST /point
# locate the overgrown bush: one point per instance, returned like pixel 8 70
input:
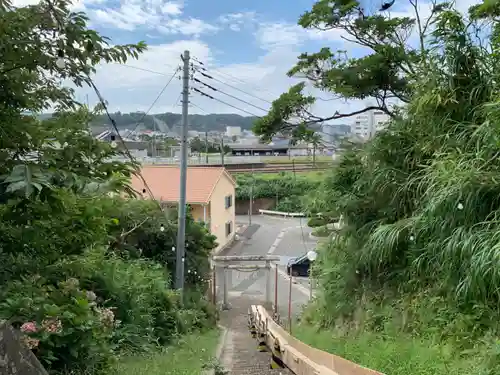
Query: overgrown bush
pixel 317 221
pixel 288 190
pixel 65 327
pixel 421 200
pixel 321 231
pixel 82 274
pixel 126 276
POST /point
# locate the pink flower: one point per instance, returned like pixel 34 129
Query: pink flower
pixel 29 327
pixel 52 325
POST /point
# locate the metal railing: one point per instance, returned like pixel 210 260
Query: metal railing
pixel 195 160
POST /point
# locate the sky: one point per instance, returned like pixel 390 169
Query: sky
pixel 246 46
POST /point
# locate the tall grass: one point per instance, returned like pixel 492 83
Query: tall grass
pixel 421 201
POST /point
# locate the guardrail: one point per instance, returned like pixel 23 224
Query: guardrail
pixel 287 351
pixel 195 160
pixel 280 213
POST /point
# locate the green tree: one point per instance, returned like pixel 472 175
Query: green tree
pixel 40 45
pixel 384 76
pixel 197 145
pixel 419 200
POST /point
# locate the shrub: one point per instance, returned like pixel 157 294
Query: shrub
pixel 316 222
pixel 321 231
pixel 289 204
pixel 131 277
pixel 71 331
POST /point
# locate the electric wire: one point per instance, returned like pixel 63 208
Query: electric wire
pixel 231 96
pixel 156 100
pixel 202 71
pixel 198 68
pixel 115 127
pixel 125 148
pixel 234 78
pixel 146 70
pixel 226 103
pixel 324 143
pixel 131 157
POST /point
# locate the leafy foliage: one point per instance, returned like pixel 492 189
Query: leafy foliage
pixel 285 188
pixel 420 204
pixel 385 76
pixel 84 266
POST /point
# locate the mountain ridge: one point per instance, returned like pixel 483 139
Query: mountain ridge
pixel 208 122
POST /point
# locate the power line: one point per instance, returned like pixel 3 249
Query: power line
pixel 154 102
pixel 195 106
pixel 226 103
pixel 230 76
pixel 127 151
pixel 247 112
pixel 129 155
pixel 147 70
pixel 231 96
pixel 202 71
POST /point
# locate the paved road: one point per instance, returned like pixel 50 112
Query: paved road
pixel 286 238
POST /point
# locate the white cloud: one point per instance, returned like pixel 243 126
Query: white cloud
pixel 272 35
pixel 237 21
pixel 77 5
pixel 160 15
pixel 191 26
pixel 134 87
pixel 128 88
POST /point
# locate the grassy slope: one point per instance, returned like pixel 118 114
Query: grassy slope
pixel 392 354
pixel 186 358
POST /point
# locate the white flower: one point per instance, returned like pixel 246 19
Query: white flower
pixel 412 238
pixel 460 206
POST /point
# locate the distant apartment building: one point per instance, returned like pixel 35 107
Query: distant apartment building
pixel 367 124
pixel 233 131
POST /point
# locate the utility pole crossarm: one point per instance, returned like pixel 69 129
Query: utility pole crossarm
pixel 181 224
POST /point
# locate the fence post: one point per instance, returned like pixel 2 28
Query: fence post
pixel 276 290
pixel 214 285
pixel 225 303
pixel 268 282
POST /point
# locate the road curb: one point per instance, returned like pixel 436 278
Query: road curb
pixel 219 349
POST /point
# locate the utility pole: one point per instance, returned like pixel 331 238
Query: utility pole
pixel 250 207
pixel 206 144
pixel 222 150
pixel 153 143
pixel 181 223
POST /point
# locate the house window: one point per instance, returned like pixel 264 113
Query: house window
pixel 228 201
pixel 229 228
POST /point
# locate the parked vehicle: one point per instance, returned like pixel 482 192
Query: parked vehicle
pixel 299 266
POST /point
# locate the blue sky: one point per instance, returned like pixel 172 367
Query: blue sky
pixel 249 45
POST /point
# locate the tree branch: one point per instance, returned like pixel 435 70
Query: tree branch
pixel 125 234
pixel 337 115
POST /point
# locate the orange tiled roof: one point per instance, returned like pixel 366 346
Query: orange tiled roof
pixel 164 181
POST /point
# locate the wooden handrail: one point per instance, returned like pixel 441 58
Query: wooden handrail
pixel 300 358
